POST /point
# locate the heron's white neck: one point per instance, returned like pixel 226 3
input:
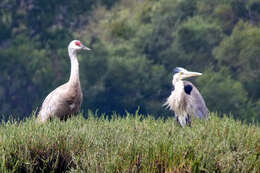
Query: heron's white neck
pixel 178 84
pixel 178 90
pixel 175 80
pixel 74 70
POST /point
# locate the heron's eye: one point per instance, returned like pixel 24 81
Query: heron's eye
pixel 181 73
pixel 78 43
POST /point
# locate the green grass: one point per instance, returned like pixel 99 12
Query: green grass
pixel 130 144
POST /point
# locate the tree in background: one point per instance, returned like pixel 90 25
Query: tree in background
pixel 33 57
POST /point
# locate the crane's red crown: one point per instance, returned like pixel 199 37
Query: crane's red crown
pixel 78 43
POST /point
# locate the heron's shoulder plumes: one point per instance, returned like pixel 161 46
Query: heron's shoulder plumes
pixel 188 89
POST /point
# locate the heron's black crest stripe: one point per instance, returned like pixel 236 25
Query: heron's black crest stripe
pixel 176 70
pixel 188 89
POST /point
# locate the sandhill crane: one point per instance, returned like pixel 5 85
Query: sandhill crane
pixel 185 99
pixel 67 98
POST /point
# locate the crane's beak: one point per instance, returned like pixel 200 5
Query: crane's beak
pixel 85 48
pixel 188 74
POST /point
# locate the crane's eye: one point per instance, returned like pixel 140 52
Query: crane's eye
pixel 77 43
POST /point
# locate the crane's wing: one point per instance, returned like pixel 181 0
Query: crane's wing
pixel 60 103
pixel 52 105
pixel 195 102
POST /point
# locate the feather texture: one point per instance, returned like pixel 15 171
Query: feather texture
pixel 65 100
pixel 186 102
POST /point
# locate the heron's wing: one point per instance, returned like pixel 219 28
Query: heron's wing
pixel 195 102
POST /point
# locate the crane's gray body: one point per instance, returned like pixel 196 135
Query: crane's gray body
pixel 62 102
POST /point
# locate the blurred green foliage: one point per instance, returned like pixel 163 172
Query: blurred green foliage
pixel 136 44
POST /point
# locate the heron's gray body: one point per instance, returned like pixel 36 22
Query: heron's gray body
pixel 185 100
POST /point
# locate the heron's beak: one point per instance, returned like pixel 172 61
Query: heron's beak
pixel 188 74
pixel 85 48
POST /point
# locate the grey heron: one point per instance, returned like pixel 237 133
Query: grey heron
pixel 185 99
pixel 67 98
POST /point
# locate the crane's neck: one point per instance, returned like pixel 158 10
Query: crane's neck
pixel 74 70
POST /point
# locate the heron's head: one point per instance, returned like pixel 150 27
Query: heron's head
pixel 180 73
pixel 77 45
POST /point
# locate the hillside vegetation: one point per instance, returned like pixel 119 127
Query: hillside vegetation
pixel 135 46
pixel 129 143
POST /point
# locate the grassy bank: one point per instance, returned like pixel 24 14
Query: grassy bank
pixel 130 144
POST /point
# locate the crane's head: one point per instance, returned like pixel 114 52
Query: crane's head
pixel 180 73
pixel 77 45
